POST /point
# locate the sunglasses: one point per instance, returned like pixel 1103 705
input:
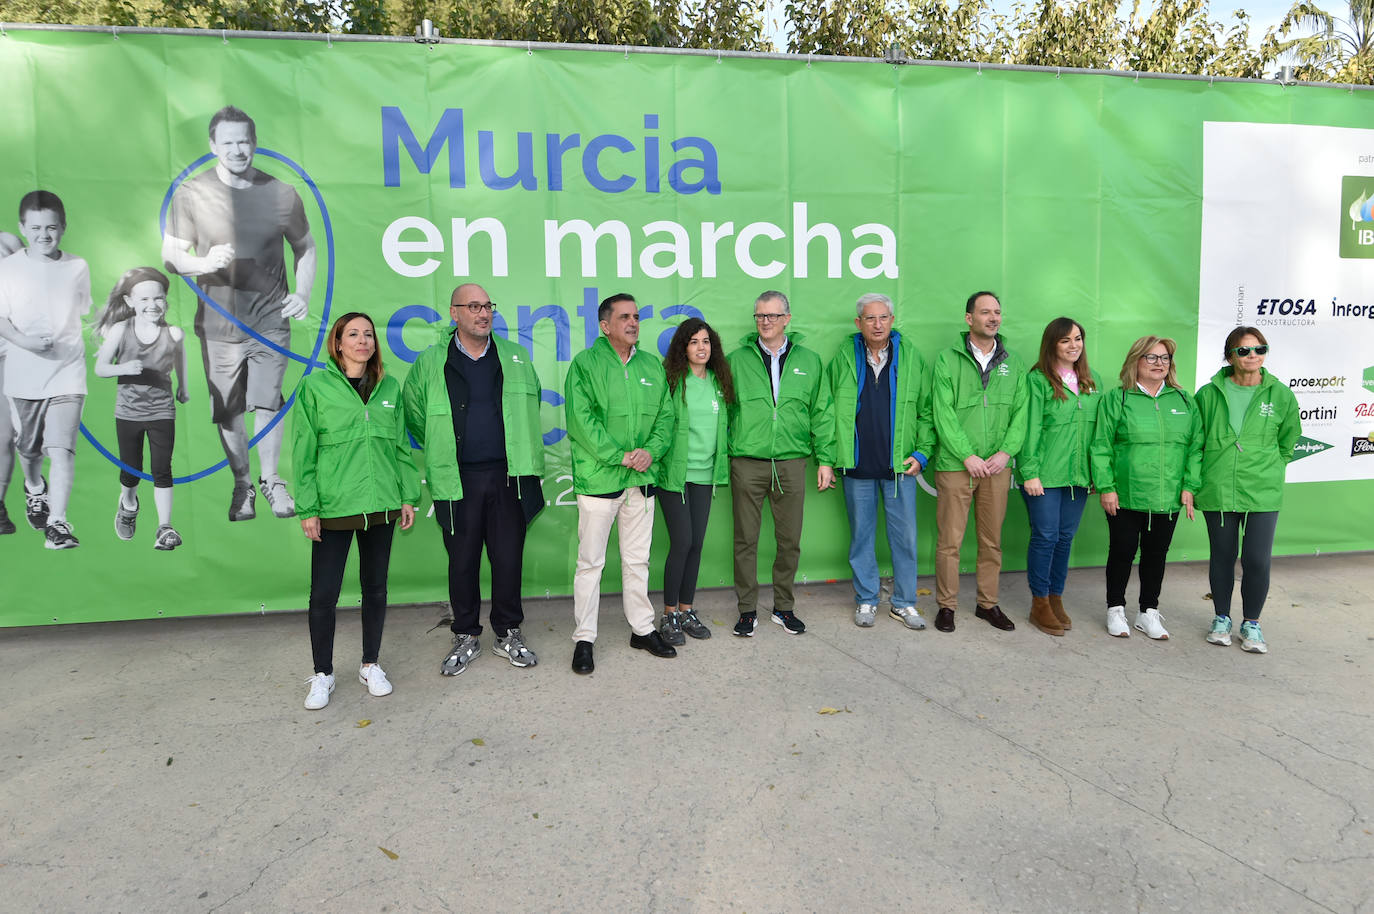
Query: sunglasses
pixel 1243 351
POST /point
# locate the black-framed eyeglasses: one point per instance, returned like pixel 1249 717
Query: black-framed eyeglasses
pixel 1155 358
pixel 769 318
pixel 1243 351
pixel 477 307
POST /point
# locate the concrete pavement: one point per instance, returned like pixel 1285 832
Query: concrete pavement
pixel 169 765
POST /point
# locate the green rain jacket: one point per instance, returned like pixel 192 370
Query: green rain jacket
pixel 429 415
pixel 614 407
pixel 1058 434
pixel 350 457
pixel 1147 449
pixel 672 474
pixel 913 430
pixel 974 416
pixel 1245 472
pixel 800 424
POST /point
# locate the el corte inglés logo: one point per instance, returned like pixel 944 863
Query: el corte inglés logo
pixel 1357 216
pixel 1306 447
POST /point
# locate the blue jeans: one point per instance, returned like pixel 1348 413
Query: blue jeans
pixel 898 498
pixel 1054 519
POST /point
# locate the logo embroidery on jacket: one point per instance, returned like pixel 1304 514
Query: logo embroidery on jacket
pixel 1266 409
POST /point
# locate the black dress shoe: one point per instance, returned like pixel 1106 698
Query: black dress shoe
pixel 654 644
pixel 994 616
pixel 582 658
pixel 944 619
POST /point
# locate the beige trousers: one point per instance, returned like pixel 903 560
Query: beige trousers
pixel 595 517
pixel 955 490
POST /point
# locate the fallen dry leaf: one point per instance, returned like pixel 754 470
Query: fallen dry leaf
pixel 478 742
pixel 834 711
pixel 363 723
pixel 392 854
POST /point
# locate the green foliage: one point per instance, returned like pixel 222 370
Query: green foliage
pixel 1159 36
pixel 1336 49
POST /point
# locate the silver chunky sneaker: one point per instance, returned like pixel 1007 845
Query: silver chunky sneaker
pixel 512 647
pixel 909 616
pixel 865 614
pixel 465 647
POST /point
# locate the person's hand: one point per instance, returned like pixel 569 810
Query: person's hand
pixel 1110 503
pixel 38 344
pixel 1033 487
pixel 976 467
pixel 997 462
pixel 911 466
pixel 407 516
pixel 294 307
pixel 637 460
pixel 182 395
pixel 219 257
pixel 1187 500
pixel 310 526
pixel 825 478
pixel 131 367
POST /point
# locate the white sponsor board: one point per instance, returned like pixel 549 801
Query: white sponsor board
pixel 1288 247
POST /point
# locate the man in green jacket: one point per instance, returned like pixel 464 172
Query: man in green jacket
pixel 620 422
pixel 782 415
pixel 980 399
pixel 883 436
pixel 472 404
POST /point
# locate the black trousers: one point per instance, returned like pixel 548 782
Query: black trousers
pixel 327 560
pixel 1127 533
pixel 161 434
pixel 1224 534
pixel 685 514
pixel 488 513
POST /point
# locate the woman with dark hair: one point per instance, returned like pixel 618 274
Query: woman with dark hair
pixel 1053 465
pixel 1145 460
pixel 354 477
pixel 1250 424
pixel 700 386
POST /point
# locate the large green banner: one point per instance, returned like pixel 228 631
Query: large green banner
pixel 555 177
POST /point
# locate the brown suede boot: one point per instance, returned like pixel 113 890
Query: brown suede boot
pixel 1042 617
pixel 1057 607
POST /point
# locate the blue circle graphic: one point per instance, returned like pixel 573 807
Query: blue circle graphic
pixel 311 362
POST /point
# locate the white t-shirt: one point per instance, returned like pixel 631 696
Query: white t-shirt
pixel 43 297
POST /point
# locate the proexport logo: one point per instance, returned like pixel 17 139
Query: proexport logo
pixel 1357 216
pixel 1306 447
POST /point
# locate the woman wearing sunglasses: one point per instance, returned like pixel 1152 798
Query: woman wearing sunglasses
pixel 1250 424
pixel 1145 462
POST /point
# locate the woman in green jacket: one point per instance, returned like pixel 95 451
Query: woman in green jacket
pixel 1053 465
pixel 700 388
pixel 1250 424
pixel 354 477
pixel 1145 456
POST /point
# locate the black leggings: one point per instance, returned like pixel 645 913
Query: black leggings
pixel 327 560
pixel 161 436
pixel 1151 534
pixel 1224 534
pixel 685 514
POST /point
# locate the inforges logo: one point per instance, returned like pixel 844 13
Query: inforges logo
pixel 1357 216
pixel 1306 447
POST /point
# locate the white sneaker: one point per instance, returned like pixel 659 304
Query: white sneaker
pixel 865 614
pixel 321 684
pixel 374 677
pixel 1151 623
pixel 1116 622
